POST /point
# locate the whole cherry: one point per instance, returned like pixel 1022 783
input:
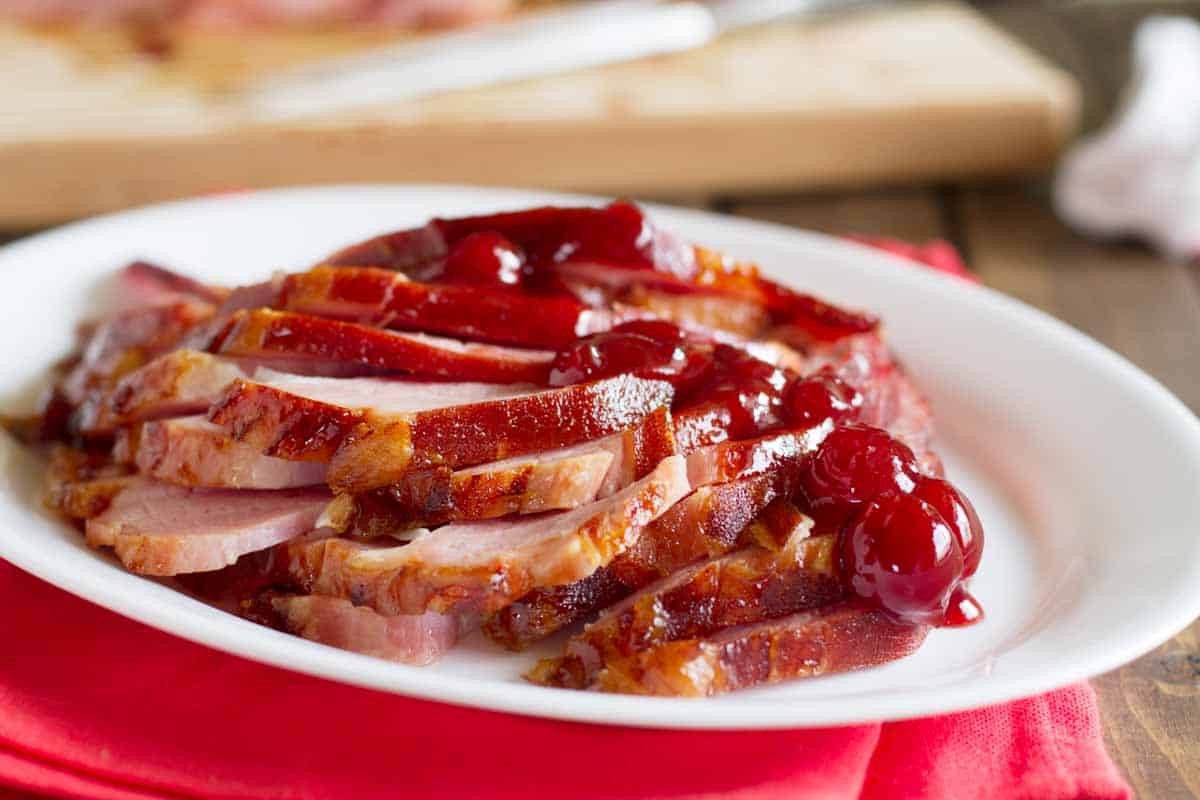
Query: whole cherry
pixel 959 514
pixel 822 396
pixel 898 552
pixel 485 259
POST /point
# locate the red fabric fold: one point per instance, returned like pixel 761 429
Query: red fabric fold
pixel 96 706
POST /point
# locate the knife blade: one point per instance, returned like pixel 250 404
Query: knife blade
pixel 588 35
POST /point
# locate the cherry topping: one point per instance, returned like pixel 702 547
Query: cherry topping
pixel 899 552
pixel 812 400
pixel 959 514
pixel 485 258
pixel 963 610
pixel 855 464
pixel 647 347
pixel 748 389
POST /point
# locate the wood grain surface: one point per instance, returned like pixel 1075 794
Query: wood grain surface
pixel 913 91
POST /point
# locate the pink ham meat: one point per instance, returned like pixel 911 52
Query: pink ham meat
pixel 709 522
pixel 307 418
pixel 406 638
pixel 483 566
pixel 528 484
pixel 387 299
pixel 142 284
pixel 376 432
pixel 267 334
pixel 159 529
pixel 191 451
pixel 747 586
pixel 177 383
pixel 836 638
pixel 728 461
pixel 127 340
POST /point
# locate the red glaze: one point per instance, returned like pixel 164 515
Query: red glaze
pixel 485 259
pixel 649 348
pixel 616 234
pixel 964 609
pixel 959 514
pixel 747 391
pixel 820 397
pixel 819 320
pixel 855 465
pixel 898 552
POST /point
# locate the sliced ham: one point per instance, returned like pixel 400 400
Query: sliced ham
pixel 81 484
pixel 747 586
pixel 178 383
pixel 483 566
pixel 553 480
pixel 385 298
pixel 709 522
pixel 268 334
pixel 307 418
pixel 727 461
pixel 191 451
pixel 386 446
pixel 832 639
pixel 406 638
pixel 160 529
pixel 142 284
pixel 127 340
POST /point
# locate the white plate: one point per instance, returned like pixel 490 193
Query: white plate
pixel 1085 471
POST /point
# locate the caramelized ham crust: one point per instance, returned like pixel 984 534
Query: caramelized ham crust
pixel 406 638
pixel 744 587
pixel 177 383
pixel 831 639
pixel 266 334
pixel 384 298
pixel 528 484
pixel 159 529
pixel 191 451
pixel 483 566
pixel 710 521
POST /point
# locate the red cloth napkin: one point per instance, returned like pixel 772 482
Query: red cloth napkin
pixel 93 705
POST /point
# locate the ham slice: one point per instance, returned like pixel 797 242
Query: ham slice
pixel 709 522
pixel 177 383
pixel 483 566
pixel 406 638
pixel 191 451
pixel 835 638
pixel 142 284
pixel 385 298
pixel 160 529
pixel 267 334
pixel 126 341
pixel 307 418
pixel 727 461
pixel 528 484
pixel 747 586
pixel 80 484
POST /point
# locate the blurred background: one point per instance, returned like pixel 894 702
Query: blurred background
pixel 1056 145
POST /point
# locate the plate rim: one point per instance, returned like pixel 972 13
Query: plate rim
pixel 229 633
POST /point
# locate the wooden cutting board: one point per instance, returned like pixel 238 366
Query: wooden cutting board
pixel 100 120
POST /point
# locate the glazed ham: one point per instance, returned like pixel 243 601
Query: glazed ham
pixel 160 529
pixel 406 638
pixel 267 334
pixel 191 451
pixel 483 566
pixel 709 522
pixel 529 484
pixel 523 421
pixel 744 587
pixel 834 638
pixel 175 384
pixel 387 299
